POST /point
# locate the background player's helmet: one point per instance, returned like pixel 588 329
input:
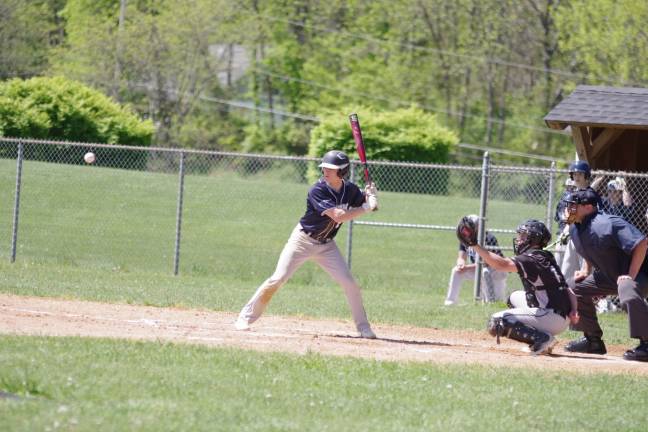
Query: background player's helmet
pixel 531 234
pixel 336 159
pixel 614 185
pixel 580 166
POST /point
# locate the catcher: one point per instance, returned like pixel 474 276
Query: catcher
pixel 546 306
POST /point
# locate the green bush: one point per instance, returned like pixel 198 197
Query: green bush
pixel 408 135
pixel 65 110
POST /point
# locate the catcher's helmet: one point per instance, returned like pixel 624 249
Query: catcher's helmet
pixel 531 234
pixel 580 166
pixel 336 159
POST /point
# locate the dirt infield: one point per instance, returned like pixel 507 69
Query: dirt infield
pixel 57 317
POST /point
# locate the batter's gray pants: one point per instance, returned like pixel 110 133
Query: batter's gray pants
pixel 545 320
pixel 298 249
pixel 631 293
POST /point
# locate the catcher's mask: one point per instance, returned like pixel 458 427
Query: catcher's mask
pixel 336 160
pixel 531 234
pixel 582 197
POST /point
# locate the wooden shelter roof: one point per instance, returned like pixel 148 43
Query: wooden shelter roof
pixel 599 106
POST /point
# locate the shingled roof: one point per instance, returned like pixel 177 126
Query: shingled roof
pixel 599 106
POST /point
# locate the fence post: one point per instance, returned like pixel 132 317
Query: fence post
pixel 14 233
pixel 482 222
pixel 176 257
pixel 552 192
pixel 350 227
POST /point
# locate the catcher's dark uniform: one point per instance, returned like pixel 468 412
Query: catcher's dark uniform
pixel 544 304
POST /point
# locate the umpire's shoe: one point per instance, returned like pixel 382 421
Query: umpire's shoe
pixel 587 344
pixel 638 354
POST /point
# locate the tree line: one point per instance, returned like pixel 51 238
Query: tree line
pixel 258 75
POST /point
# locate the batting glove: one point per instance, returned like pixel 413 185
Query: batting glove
pixel 370 189
pixel 371 204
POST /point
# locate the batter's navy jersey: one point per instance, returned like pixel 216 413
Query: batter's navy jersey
pixel 607 242
pixel 544 283
pixel 490 240
pixel 322 197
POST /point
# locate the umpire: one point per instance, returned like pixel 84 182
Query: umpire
pixel 614 254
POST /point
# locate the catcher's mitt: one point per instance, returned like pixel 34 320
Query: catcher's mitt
pixel 467 230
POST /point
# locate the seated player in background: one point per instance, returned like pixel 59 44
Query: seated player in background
pixel 546 306
pixel 493 282
pixel 618 200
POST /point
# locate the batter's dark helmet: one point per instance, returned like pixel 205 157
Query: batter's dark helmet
pixel 580 166
pixel 531 234
pixel 336 159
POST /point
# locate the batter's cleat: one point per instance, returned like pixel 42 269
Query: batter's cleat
pixel 241 324
pixel 544 345
pixel 367 333
pixel 449 303
pixel 587 345
pixel 640 353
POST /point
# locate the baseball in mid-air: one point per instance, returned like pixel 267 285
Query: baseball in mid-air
pixel 89 158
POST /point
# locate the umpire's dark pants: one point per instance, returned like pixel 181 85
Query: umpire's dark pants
pixel 632 294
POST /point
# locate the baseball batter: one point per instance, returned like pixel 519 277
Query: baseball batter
pixel 331 201
pixel 546 306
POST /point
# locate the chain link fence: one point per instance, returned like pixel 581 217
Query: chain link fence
pixel 216 213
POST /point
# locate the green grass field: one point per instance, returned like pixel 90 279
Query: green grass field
pixel 89 385
pixel 104 234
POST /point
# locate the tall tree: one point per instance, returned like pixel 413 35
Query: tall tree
pixel 163 49
pixel 28 29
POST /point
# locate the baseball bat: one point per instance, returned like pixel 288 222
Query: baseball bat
pixel 360 147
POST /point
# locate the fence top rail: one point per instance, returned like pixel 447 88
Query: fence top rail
pixel 221 153
pixel 493 168
pixel 148 149
pixel 548 171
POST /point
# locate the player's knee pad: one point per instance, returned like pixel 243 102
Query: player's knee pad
pixel 493 326
pixel 499 326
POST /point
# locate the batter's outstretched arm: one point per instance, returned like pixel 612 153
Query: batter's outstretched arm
pixel 341 215
pixel 495 261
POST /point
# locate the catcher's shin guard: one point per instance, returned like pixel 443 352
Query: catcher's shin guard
pixel 517 331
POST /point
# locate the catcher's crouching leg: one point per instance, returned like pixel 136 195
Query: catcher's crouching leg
pixel 539 341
